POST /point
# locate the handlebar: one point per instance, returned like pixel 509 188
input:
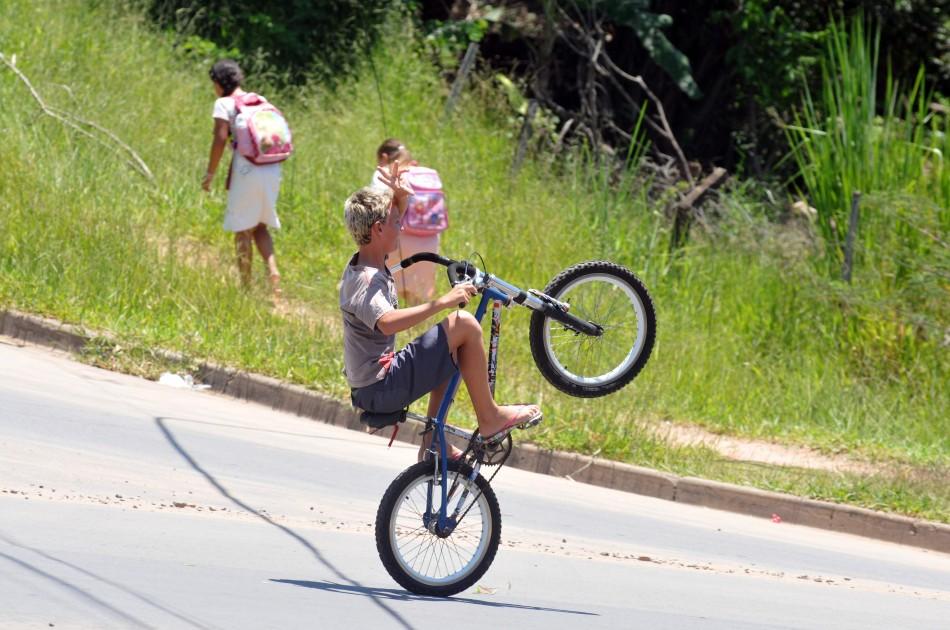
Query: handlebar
pixel 422 257
pixel 460 271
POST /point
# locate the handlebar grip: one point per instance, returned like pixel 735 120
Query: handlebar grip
pixel 425 257
pixel 460 271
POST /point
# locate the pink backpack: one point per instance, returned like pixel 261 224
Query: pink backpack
pixel 261 133
pixel 426 213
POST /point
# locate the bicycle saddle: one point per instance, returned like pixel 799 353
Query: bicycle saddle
pixel 380 420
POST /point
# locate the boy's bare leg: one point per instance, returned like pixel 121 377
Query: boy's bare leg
pixel 242 246
pixel 465 341
pixel 435 400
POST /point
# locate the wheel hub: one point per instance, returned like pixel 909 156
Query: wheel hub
pixel 431 522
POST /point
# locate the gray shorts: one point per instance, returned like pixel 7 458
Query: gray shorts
pixel 424 364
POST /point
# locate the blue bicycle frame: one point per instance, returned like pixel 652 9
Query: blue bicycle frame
pixel 501 293
pixel 489 294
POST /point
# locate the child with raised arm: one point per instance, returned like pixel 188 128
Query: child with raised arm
pixel 382 380
pixel 416 284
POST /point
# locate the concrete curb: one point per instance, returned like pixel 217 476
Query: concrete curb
pixel 599 472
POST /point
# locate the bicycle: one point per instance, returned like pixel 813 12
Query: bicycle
pixel 438 525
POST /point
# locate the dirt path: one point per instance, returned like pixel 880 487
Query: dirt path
pixel 758 450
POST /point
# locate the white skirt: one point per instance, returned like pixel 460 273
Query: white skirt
pixel 252 197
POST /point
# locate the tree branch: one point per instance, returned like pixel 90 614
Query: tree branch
pixel 134 160
pixel 661 112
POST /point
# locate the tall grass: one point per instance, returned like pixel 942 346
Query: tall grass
pixel 895 317
pixel 845 140
pixel 751 340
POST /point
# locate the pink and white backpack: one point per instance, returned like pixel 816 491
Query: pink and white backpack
pixel 261 133
pixel 426 213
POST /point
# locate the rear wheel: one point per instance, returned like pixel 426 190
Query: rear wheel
pixel 614 299
pixel 418 556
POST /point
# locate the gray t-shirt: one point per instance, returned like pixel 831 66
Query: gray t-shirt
pixel 366 293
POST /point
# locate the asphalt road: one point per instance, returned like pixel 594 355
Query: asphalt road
pixel 127 504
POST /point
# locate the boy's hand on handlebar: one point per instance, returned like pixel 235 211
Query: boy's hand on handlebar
pixel 458 296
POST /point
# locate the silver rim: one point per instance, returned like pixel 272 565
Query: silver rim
pixel 424 556
pixel 610 303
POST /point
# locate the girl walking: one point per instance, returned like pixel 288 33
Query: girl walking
pixel 252 188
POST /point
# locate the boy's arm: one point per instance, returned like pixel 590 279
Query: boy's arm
pixel 401 319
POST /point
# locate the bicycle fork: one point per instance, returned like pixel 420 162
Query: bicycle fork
pixel 444 524
pixel 437 519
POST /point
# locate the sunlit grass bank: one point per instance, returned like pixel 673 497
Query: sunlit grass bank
pixel 753 340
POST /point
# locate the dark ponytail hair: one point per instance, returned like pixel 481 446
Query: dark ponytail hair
pixel 391 147
pixel 227 74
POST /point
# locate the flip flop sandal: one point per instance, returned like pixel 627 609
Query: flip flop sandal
pixel 519 422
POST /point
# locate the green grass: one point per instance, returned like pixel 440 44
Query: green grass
pixel 753 341
pixel 845 140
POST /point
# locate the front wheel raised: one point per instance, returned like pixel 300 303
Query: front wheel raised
pixel 415 555
pixel 614 299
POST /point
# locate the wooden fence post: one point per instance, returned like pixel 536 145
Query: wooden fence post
pixel 849 240
pixel 682 211
pixel 524 136
pixel 467 62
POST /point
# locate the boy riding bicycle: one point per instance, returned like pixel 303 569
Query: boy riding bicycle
pixel 383 380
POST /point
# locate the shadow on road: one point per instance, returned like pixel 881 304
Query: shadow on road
pixel 81 593
pixel 162 425
pixel 142 598
pixel 401 595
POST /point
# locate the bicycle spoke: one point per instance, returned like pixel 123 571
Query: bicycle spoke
pixel 451 562
pixel 606 316
pixel 454 548
pixel 600 289
pixel 438 550
pixel 413 547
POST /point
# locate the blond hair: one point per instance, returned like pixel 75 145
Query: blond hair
pixel 364 208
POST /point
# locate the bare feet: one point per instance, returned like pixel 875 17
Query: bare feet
pixel 275 286
pixel 510 417
pixel 454 453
